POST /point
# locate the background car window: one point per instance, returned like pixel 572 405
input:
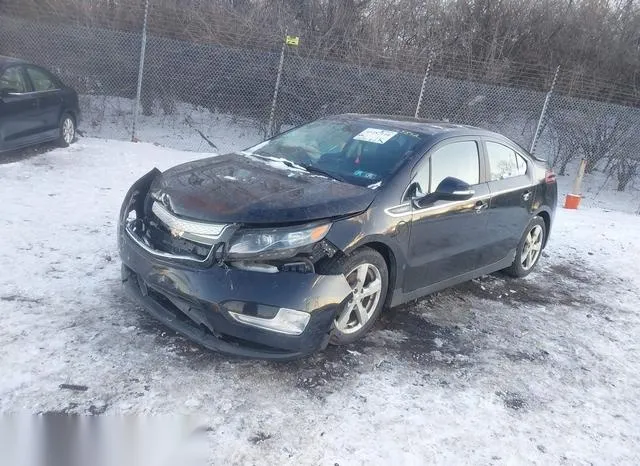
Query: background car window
pixel 504 162
pixel 459 160
pixel 13 80
pixel 41 81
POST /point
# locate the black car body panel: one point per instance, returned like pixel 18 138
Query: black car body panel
pixel 427 246
pixel 172 293
pixel 29 116
pixel 237 188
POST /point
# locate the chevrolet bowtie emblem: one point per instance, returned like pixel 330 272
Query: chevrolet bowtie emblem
pixel 166 200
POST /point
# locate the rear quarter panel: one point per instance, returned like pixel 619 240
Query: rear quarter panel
pixel 546 195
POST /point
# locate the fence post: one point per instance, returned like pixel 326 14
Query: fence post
pixel 547 98
pixel 275 90
pixel 143 48
pixel 424 83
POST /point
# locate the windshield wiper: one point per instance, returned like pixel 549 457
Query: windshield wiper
pixel 272 158
pixel 320 171
pixel 290 164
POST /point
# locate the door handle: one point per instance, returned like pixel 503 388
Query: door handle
pixel 480 206
pixel 526 195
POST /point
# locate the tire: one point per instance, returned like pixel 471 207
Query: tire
pixel 67 129
pixel 367 263
pixel 522 266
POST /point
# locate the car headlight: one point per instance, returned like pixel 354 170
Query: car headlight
pixel 251 242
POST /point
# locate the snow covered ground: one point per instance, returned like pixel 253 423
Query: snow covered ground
pixel 496 371
pixel 112 118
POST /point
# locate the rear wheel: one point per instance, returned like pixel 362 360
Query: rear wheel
pixel 529 249
pixel 67 130
pixel 367 275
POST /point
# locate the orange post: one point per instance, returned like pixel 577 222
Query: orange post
pixel 572 201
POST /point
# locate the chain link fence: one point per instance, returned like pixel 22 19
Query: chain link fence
pixel 203 96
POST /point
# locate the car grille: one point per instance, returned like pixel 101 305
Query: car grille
pixel 165 232
pixel 199 232
pixel 161 239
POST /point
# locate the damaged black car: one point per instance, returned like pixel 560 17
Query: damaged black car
pixel 302 240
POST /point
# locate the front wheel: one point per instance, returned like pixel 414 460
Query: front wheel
pixel 529 249
pixel 367 274
pixel 67 130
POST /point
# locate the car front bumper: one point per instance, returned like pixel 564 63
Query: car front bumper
pixel 191 300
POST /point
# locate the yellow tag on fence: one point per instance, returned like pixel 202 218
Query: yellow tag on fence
pixel 292 40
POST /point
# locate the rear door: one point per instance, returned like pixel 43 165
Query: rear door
pixel 17 109
pixel 446 236
pixel 50 100
pixel 512 195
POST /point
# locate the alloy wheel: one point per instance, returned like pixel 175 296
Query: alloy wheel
pixel 366 286
pixel 532 247
pixel 68 130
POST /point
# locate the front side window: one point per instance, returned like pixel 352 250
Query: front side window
pixel 41 81
pixel 12 80
pixel 357 152
pixel 458 160
pixel 504 162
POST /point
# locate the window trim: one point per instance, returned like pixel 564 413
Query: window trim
pixel 518 151
pixel 526 163
pixel 425 157
pixel 432 188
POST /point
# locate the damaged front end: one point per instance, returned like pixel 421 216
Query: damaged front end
pixel 148 222
pixel 147 219
pixel 249 290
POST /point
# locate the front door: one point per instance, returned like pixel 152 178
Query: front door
pixel 446 236
pixel 18 107
pixel 512 194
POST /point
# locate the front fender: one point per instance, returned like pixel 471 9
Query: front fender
pixel 390 239
pixel 351 233
pixel 134 199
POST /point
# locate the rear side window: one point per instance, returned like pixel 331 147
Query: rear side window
pixel 504 162
pixel 12 80
pixel 458 160
pixel 41 80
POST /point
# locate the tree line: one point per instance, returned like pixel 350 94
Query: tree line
pixel 598 40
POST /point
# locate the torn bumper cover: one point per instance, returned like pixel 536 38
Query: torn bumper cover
pixel 249 312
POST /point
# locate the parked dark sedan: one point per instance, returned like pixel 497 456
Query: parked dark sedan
pixel 303 240
pixel 35 106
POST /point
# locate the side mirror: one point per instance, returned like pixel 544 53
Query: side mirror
pixel 449 189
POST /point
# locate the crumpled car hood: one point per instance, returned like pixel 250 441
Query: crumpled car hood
pixel 241 188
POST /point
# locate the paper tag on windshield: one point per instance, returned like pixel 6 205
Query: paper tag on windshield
pixel 377 136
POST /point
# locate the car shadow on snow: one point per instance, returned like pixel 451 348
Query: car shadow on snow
pixel 555 284
pixel 27 153
pixel 441 331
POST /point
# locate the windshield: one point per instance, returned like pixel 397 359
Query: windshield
pixel 353 151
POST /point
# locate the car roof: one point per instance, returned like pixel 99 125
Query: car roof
pixel 6 61
pixel 419 125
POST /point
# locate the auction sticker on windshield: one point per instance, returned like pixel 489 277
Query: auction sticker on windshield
pixel 377 136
